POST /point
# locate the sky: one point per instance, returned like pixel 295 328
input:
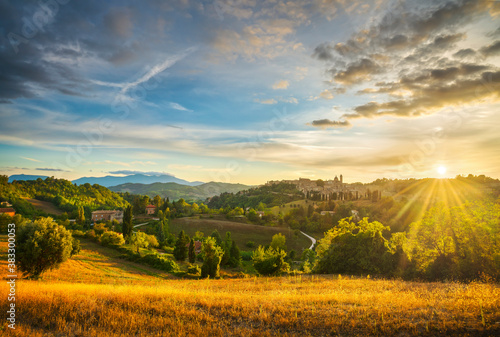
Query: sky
pixel 246 91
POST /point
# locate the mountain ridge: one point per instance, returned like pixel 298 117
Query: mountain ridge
pixel 176 191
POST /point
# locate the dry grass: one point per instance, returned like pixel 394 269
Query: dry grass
pixel 127 302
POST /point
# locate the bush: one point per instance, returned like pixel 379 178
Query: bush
pixel 43 245
pixel 246 256
pixel 112 239
pixel 194 269
pixel 270 261
pixel 250 244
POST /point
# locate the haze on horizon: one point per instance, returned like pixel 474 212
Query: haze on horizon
pixel 246 91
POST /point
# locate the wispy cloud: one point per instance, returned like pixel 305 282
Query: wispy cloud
pixel 148 173
pixel 179 107
pixel 50 169
pixel 31 159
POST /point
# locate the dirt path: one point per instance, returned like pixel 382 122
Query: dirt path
pixel 313 240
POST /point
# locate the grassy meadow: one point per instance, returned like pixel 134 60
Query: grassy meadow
pixel 96 294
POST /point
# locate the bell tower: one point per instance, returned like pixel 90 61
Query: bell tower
pixel 341 179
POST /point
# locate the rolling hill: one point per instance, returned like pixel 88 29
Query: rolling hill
pixel 176 191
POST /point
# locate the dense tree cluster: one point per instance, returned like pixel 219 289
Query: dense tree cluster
pixel 273 195
pixel 62 193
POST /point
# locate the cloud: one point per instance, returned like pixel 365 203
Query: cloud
pixel 464 53
pixel 148 173
pixel 179 107
pixel 400 61
pixel 326 123
pixel 357 72
pixel 266 101
pixel 283 84
pixel 491 49
pixel 31 159
pixel 428 96
pixel 326 94
pixel 157 69
pixel 50 170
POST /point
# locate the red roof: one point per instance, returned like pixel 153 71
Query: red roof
pixel 7 210
pixel 150 206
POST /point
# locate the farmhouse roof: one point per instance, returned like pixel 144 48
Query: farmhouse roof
pixel 7 210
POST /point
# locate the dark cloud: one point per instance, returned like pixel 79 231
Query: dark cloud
pixel 428 98
pixel 326 123
pixel 491 49
pixel 464 53
pixel 50 169
pixel 406 49
pixel 397 42
pixel 356 72
pixel 323 52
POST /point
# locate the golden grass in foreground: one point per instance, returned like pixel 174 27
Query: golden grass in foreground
pixel 288 306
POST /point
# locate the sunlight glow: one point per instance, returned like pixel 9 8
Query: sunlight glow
pixel 441 170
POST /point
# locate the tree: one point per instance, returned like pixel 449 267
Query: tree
pixel 235 256
pixel 180 249
pixel 270 261
pixel 191 253
pixel 211 260
pixel 457 243
pixel 226 246
pixel 139 240
pixel 80 219
pixel 43 245
pixel 278 242
pixel 127 223
pixel 112 239
pixel 218 239
pixel 354 248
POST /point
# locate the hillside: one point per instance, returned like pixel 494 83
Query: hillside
pixel 240 232
pixel 64 195
pixel 176 191
pixel 95 294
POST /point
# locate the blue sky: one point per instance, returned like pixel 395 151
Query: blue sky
pixel 248 91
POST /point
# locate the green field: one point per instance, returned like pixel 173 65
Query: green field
pixel 241 233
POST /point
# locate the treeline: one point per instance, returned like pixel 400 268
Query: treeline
pixel 448 243
pixel 273 195
pixel 65 195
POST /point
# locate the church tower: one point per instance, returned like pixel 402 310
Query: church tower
pixel 341 179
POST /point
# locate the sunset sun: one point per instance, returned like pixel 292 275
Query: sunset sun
pixel 441 170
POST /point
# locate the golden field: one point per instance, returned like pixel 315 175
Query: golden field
pixel 96 294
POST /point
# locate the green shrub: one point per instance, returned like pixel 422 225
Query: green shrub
pixel 112 239
pixel 270 261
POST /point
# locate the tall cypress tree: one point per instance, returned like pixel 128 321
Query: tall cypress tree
pixel 180 249
pixel 191 253
pixel 127 222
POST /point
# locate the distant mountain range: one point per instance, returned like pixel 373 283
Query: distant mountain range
pixel 176 191
pixel 108 181
pixel 24 177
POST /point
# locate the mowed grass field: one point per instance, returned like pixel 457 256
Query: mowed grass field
pixel 99 295
pixel 240 232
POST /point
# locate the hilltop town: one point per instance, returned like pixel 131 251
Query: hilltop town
pixel 319 189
